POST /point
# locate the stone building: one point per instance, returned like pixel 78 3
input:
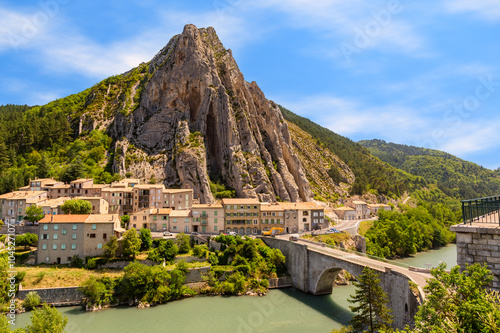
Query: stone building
pixel 241 215
pixel 207 218
pixel 13 205
pixel 60 237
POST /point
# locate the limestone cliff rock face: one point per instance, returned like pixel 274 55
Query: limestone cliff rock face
pixel 198 119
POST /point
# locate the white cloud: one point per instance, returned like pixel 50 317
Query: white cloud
pixel 472 137
pixel 17 29
pixel 488 9
pixel 347 117
pixel 361 24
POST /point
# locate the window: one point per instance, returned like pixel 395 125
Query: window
pixel 45 236
pixel 99 246
pixel 54 236
pixel 56 226
pixel 63 231
pixel 186 229
pixel 44 246
pixel 263 214
pixel 45 227
pixel 144 218
pixel 73 246
pixel 255 222
pixel 174 227
pixel 92 235
pixel 75 226
pixel 74 236
pixel 175 220
pixel 215 228
pixel 94 226
pixel 54 246
pixel 216 213
pixel 215 220
pixel 63 246
pixel 104 236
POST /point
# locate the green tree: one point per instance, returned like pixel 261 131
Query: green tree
pixel 98 291
pixel 74 171
pixel 459 302
pixel 34 213
pixel 131 243
pixel 27 239
pixel 125 220
pixel 47 319
pixel 182 241
pixel 111 247
pixel 372 313
pixel 76 206
pixel 165 249
pixel 146 241
pixel 32 300
pixel 43 167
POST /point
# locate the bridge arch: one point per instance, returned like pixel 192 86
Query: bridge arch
pixel 326 281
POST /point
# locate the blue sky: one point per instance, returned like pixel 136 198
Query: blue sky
pixel 424 73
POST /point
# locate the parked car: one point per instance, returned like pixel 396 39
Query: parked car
pixel 166 233
pixel 232 233
pixel 294 238
pixel 194 233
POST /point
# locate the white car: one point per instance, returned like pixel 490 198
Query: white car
pixel 232 233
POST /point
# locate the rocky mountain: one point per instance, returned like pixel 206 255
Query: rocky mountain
pixel 188 117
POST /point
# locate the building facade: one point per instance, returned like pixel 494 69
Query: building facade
pixel 60 237
pixel 207 219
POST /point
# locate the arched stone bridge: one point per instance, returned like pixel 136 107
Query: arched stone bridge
pixel 313 269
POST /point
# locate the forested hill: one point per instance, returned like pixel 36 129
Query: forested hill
pixel 454 176
pixel 371 174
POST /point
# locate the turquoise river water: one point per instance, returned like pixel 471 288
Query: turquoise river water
pixel 284 310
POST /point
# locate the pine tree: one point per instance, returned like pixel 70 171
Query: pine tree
pixel 369 301
pixel 43 167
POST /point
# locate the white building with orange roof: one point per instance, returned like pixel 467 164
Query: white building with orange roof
pixel 60 237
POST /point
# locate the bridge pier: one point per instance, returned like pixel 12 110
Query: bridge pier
pixel 314 271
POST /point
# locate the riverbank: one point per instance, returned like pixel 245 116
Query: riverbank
pixel 281 310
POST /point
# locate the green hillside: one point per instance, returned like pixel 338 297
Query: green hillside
pixel 371 173
pixel 452 175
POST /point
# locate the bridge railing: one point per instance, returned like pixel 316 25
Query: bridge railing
pixel 361 254
pixel 482 210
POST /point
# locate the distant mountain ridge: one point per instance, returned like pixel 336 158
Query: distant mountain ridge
pixel 455 177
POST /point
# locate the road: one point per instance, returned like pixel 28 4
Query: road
pixel 419 278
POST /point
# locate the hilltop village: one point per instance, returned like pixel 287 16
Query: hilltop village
pixel 152 206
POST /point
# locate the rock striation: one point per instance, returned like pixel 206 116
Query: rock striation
pixel 199 120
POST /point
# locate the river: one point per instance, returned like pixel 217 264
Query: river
pixel 285 310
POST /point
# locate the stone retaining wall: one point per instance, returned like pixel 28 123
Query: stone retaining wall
pixel 20 229
pixel 56 296
pixel 479 244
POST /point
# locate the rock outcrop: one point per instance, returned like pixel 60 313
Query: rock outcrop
pixel 198 120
